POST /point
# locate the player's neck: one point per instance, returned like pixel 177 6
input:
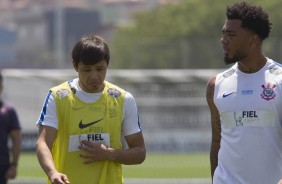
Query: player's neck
pixel 252 65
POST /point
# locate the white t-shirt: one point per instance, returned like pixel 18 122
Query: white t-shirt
pixel 130 119
pixel 250 108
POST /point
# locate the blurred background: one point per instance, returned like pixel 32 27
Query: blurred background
pixel 162 51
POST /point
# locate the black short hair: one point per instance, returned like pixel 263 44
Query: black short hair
pixel 90 50
pixel 253 18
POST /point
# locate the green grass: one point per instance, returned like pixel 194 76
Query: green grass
pixel 29 166
pixel 156 165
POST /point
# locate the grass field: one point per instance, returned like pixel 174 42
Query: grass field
pixel 156 165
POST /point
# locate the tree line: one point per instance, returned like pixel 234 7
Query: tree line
pixel 184 35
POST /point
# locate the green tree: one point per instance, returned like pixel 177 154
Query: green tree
pixel 184 35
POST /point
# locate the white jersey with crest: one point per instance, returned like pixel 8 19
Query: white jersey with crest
pixel 250 108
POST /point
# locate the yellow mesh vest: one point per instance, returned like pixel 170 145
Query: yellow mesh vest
pixel 92 121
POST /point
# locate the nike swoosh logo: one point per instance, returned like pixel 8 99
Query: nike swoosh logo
pixel 226 95
pixel 82 126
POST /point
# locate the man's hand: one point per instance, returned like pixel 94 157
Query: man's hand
pixel 58 178
pixel 280 181
pixel 94 152
pixel 12 172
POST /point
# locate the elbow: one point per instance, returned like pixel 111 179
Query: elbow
pixel 142 156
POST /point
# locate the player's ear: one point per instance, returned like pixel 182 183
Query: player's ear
pixel 254 40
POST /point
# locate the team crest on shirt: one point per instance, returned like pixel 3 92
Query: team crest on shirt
pixel 114 92
pixel 61 93
pixel 268 92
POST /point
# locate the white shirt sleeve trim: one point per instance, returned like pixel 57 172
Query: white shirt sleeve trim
pixel 130 123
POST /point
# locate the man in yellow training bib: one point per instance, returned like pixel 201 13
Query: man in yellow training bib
pixel 82 122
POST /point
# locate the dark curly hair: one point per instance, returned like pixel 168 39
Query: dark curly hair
pixel 253 18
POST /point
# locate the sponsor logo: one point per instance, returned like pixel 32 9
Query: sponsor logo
pixel 268 92
pixel 227 94
pixel 82 126
pixel 91 137
pixel 245 116
pixel 238 120
pixel 247 92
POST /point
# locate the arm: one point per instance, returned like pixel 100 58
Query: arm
pixel 44 146
pixel 16 146
pixel 215 124
pixel 135 154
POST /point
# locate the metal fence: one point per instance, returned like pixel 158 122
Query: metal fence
pixel 172 105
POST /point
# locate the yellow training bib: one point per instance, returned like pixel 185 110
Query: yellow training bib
pixel 98 122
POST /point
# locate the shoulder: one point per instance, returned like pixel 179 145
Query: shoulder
pixel 211 83
pixel 128 95
pixel 114 90
pixel 129 99
pixel 210 88
pixel 62 90
pixel 62 85
pixel 228 72
pixel 8 105
pixel 9 108
pixel 274 67
pixel 111 85
pixel 216 79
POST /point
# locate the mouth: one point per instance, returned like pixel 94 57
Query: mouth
pixel 225 50
pixel 93 85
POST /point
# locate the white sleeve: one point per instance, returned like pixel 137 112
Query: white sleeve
pixel 130 122
pixel 48 114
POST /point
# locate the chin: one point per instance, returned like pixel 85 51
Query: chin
pixel 229 60
pixel 96 89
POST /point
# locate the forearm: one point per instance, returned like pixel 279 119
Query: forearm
pixel 45 159
pixel 135 155
pixel 15 154
pixel 16 146
pixel 214 156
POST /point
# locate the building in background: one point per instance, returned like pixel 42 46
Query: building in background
pixel 45 30
pixel 39 32
pixel 7 45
